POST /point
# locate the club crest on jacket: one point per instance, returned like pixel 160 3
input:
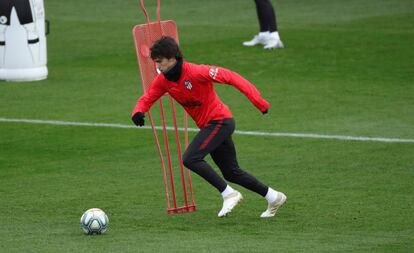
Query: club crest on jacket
pixel 188 84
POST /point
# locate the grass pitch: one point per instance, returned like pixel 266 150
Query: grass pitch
pixel 347 69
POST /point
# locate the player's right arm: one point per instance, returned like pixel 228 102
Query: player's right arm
pixel 145 102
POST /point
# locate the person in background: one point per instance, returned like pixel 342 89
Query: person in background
pixel 268 35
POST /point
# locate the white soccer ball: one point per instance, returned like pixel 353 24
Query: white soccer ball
pixel 94 221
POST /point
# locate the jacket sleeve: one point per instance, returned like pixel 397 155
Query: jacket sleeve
pixel 154 92
pixel 226 76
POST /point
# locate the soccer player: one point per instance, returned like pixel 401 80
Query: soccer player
pixel 268 35
pixel 191 85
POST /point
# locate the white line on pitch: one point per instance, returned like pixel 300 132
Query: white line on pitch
pixel 254 133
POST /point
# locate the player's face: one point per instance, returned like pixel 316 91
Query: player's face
pixel 164 64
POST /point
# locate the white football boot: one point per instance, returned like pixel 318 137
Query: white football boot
pixel 273 206
pixel 273 41
pixel 229 203
pixel 260 39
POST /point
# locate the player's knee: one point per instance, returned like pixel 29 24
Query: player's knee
pixel 188 160
pixel 192 162
pixel 233 175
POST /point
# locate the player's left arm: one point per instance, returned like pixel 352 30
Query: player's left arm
pixel 226 76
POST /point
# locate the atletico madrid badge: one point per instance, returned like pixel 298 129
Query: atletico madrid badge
pixel 188 84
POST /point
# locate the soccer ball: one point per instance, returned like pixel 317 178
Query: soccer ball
pixel 94 221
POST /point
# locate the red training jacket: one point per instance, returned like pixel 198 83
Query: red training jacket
pixel 195 92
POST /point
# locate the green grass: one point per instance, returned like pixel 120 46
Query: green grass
pixel 347 69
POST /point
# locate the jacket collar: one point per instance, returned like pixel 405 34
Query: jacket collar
pixel 174 73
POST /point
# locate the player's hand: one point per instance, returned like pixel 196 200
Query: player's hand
pixel 264 112
pixel 138 119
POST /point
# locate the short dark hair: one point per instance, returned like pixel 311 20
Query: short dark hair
pixel 166 47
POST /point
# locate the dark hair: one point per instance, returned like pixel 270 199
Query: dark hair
pixel 166 47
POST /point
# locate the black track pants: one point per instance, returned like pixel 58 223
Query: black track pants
pixel 266 15
pixel 215 139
